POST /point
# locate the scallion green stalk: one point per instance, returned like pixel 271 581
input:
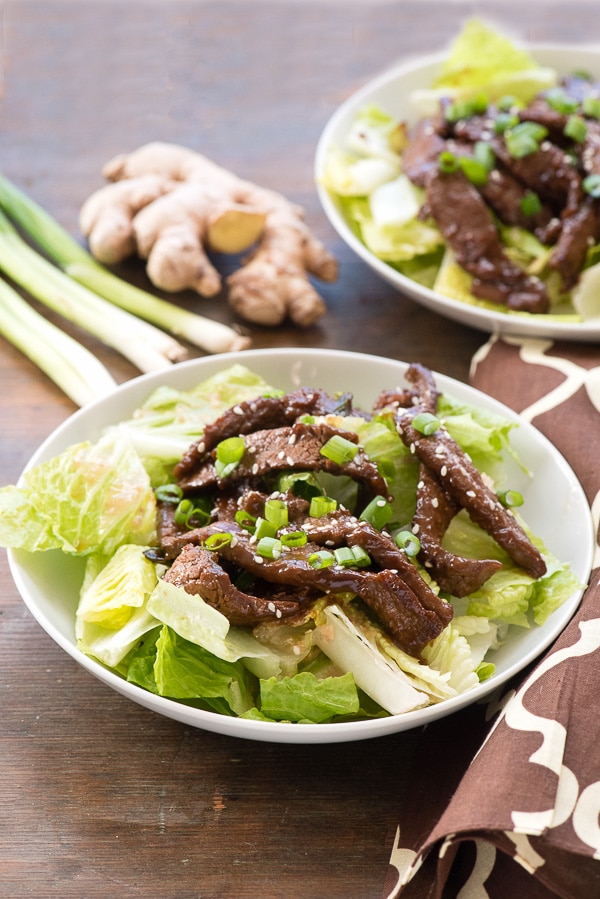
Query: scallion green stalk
pixel 76 262
pixel 78 373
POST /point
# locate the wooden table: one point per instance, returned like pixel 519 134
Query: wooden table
pixel 101 797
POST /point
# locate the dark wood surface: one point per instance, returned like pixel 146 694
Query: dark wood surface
pixel 101 797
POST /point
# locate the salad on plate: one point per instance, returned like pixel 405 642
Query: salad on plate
pixel 490 193
pixel 289 557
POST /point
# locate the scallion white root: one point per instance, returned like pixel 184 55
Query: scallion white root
pixel 76 262
pixel 71 366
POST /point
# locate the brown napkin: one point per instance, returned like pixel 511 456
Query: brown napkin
pixel 507 793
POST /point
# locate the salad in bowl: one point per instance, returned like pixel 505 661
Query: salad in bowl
pixel 298 546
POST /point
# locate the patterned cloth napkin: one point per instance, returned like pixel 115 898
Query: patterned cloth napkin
pixel 506 801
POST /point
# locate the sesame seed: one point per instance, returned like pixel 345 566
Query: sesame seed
pixel 277 613
pixel 259 560
pixel 289 460
pixel 444 470
pixel 412 448
pixel 238 410
pixel 435 502
pixel 292 439
pixel 471 493
pixel 255 468
pixel 281 454
pixel 271 606
pixel 420 485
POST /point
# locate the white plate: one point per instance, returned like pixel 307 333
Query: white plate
pixel 391 91
pixel 555 506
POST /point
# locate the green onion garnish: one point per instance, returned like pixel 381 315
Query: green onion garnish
pixel 463 109
pixel 321 559
pixel 168 493
pixel 245 520
pixel 377 513
pixel 504 121
pixel 524 139
pixel 229 453
pixel 276 512
pixel 215 542
pixel 591 185
pixel 558 100
pixel 510 498
pixel 447 162
pixel 269 547
pixel 508 102
pixel 591 107
pixel 476 172
pixel 264 528
pixel 192 514
pixel 576 129
pixel 352 557
pixel 426 423
pixel 530 204
pixel 408 542
pixel 321 505
pixel 339 450
pixel 294 538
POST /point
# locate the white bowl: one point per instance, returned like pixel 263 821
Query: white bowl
pixel 391 91
pixel 555 507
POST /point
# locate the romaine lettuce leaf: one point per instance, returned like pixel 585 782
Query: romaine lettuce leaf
pixel 90 498
pixel 306 698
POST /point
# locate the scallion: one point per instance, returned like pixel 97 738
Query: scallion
pixel 591 107
pixel 591 185
pixel 464 109
pixel 377 513
pixel 322 558
pixel 504 121
pixel 524 139
pixel 76 262
pixel 294 538
pixel 269 547
pixel 447 162
pixel 215 542
pixel 426 423
pixel 560 101
pixel 191 513
pixel 408 542
pixel 229 454
pixel 264 528
pixel 276 512
pixel 339 449
pixel 321 505
pixel 169 493
pixel 576 129
pixel 245 519
pixel 530 204
pixel 510 498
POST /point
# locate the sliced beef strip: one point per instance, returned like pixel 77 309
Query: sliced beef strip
pixel 504 194
pixel 590 153
pixel 455 574
pixel 579 232
pixel 262 413
pixel 466 223
pixel 408 622
pixel 462 481
pixel 341 528
pixel 198 572
pixel 295 448
pixel 420 156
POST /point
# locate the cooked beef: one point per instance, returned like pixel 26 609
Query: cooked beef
pixel 579 232
pixel 198 572
pixel 466 223
pixel 434 512
pixel 295 448
pixel 464 484
pixel 421 154
pixel 505 194
pixel 263 413
pixel 590 153
pixel 406 619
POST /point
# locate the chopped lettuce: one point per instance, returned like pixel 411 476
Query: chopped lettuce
pixel 90 498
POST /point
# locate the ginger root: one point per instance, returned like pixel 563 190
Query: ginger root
pixel 174 206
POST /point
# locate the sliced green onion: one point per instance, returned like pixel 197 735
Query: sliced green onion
pixel 339 449
pixel 591 107
pixel 215 542
pixel 76 262
pixel 510 498
pixel 524 139
pixel 530 204
pixel 276 512
pixel 269 547
pixel 591 185
pixel 377 513
pixel 464 109
pixel 504 121
pixel 294 538
pixel 352 557
pixel 508 102
pixel 321 505
pixel 447 162
pixel 476 172
pixel 264 528
pixel 307 419
pixel 169 493
pixel 245 520
pixel 229 454
pixel 190 514
pixel 426 423
pixel 576 129
pixel 408 542
pixel 560 101
pixel 321 559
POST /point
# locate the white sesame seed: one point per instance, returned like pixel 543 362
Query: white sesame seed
pixel 281 454
pixel 471 493
pixel 289 460
pixel 271 606
pixel 415 528
pixel 238 410
pixel 292 439
pixel 435 502
pixel 255 468
pixel 259 560
pixel 444 471
pixel 412 448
